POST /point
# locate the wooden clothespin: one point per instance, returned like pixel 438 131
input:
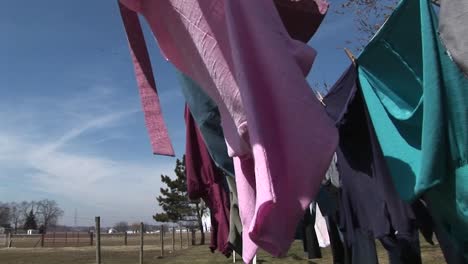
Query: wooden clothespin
pixel 350 56
pixel 320 97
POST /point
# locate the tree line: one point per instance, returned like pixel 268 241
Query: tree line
pixel 38 215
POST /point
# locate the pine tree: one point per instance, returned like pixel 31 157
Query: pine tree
pixel 177 207
pixel 30 222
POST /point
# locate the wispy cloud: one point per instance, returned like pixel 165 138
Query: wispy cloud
pixel 50 148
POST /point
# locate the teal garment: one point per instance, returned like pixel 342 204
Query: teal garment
pixel 418 102
pixel 206 115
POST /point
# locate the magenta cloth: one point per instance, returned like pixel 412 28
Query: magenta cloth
pixel 205 181
pixel 155 124
pixel 240 53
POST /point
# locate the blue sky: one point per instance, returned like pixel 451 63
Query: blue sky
pixel 71 126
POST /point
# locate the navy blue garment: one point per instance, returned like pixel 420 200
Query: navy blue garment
pixel 306 232
pixel 206 115
pixel 369 204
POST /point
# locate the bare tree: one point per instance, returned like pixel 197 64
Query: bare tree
pixel 369 15
pixel 135 227
pixel 121 226
pixel 15 216
pixel 48 213
pixel 4 215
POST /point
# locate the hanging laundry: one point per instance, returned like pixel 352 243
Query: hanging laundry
pixel 206 115
pixel 369 202
pixel 333 176
pixel 301 18
pixel 235 225
pixel 417 99
pixel 252 71
pixel 154 121
pixel 204 181
pixel 454 30
pixel 320 226
pixel 306 232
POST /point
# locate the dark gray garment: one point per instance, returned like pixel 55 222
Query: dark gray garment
pixel 369 199
pixel 235 225
pixel 402 250
pixel 453 28
pixel 340 255
pixel 363 250
pixel 333 176
pixel 370 205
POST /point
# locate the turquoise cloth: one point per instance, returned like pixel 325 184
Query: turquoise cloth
pixel 418 102
pixel 205 112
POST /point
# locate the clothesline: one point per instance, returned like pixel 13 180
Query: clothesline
pixel 389 137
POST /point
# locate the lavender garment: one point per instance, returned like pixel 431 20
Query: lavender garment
pixel 205 181
pixel 240 53
pixel 369 201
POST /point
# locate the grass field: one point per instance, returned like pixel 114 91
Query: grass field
pixel 192 255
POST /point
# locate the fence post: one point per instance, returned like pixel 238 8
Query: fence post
pixel 91 237
pixel 173 239
pixel 125 238
pixel 78 239
pixel 53 240
pixel 233 256
pixel 8 240
pixel 142 230
pixel 42 239
pixel 161 233
pixel 181 238
pixel 66 238
pixel 193 237
pixel 188 238
pixel 98 239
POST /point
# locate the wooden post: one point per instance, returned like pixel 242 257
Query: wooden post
pixel 98 239
pixel 91 236
pixel 233 256
pixel 188 238
pixel 142 230
pixel 193 237
pixel 125 238
pixel 78 239
pixel 173 239
pixel 8 240
pixel 161 233
pixel 66 238
pixel 42 239
pixel 181 238
pixel 53 239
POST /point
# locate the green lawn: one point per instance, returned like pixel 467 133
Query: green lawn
pixel 192 255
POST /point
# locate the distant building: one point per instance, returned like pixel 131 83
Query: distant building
pixel 32 232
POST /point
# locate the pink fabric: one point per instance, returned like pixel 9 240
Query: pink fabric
pixel 155 124
pixel 242 56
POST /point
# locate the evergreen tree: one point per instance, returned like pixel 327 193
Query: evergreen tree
pixel 177 207
pixel 30 222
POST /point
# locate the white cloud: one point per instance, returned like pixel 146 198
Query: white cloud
pixel 100 184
